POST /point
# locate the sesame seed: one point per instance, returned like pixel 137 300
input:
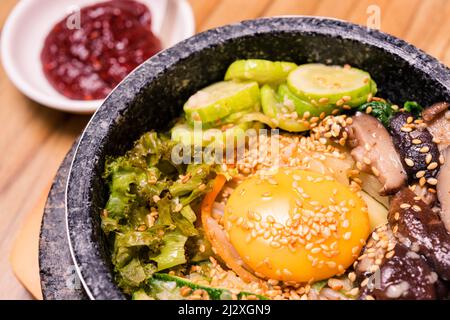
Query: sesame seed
pixel 346 98
pixel 365 282
pixel 416 208
pixel 428 158
pixel 315 250
pixel 417 141
pixel 424 149
pixel 432 166
pixel 353 292
pixel 420 174
pixel 432 181
pixel 375 171
pixel 405 206
pixel 409 162
pixel 185 291
pixel 275 244
pixel 142 227
pixel 441 159
pixel 406 129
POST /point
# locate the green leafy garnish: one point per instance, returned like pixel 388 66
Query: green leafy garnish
pixel 148 216
pixel 383 111
pixel 413 107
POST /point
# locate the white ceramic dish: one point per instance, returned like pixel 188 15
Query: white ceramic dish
pixel 29 23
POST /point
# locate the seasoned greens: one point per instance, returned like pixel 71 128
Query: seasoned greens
pixel 148 216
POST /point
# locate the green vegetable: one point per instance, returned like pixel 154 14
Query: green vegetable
pixel 262 71
pixel 168 287
pixel 187 135
pixel 198 247
pixel 413 107
pixel 142 181
pixel 172 251
pixel 324 85
pixel 319 285
pixel 222 99
pixel 274 108
pixel 141 295
pixel 289 99
pixel 383 111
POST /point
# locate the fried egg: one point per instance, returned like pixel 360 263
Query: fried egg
pixel 296 225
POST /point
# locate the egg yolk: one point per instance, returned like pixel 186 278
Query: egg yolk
pixel 296 225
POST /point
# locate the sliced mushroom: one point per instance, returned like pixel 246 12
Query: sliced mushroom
pixel 429 197
pixel 443 189
pixel 418 227
pixel 437 118
pixel 414 143
pixel 388 270
pixel 374 151
pixel 434 111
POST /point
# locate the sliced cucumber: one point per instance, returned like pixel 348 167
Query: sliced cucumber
pixel 273 108
pixel 221 99
pixel 187 135
pixel 321 84
pixel 262 71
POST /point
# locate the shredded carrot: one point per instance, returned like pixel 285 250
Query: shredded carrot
pixel 216 236
pixel 210 197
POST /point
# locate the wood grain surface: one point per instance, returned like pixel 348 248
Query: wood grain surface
pixel 34 139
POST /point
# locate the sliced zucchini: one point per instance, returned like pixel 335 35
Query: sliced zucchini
pixel 262 71
pixel 221 99
pixel 274 108
pixel 232 118
pixel 187 135
pixel 167 286
pixel 335 85
pixel 288 98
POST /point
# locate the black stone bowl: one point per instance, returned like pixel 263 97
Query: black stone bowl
pixel 154 93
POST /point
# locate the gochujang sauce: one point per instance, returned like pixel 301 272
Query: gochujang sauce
pixel 86 61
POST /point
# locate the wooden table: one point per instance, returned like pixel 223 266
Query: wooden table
pixel 34 139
